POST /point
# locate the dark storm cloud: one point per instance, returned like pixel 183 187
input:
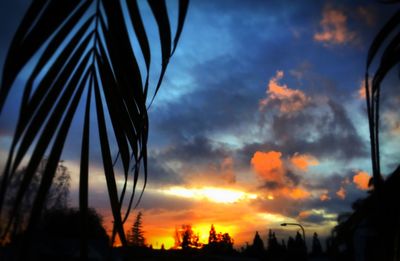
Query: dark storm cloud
pixel 291 179
pixel 160 174
pixel 315 218
pixel 271 185
pixel 150 200
pixel 228 86
pixel 196 150
pixel 294 178
pixel 315 208
pixel 323 132
pixel 221 102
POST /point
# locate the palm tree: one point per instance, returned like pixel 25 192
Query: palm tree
pixel 82 51
pixel 388 42
pixel 378 206
pixel 390 45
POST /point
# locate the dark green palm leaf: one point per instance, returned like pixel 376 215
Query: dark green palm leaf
pixel 83 49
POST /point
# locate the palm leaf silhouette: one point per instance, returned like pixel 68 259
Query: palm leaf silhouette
pixel 387 41
pixel 83 53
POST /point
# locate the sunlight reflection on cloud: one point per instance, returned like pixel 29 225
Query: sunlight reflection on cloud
pixel 217 195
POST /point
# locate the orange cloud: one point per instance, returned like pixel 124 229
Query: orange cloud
pixel 288 100
pixel 324 197
pixel 341 193
pixel 334 28
pixel 361 180
pixel 361 91
pixel 268 166
pixel 304 214
pixel 303 161
pixel 297 193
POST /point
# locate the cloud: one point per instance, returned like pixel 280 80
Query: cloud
pixel 269 166
pixel 287 100
pixel 278 180
pixel 198 149
pixel 391 121
pixel 227 171
pixel 322 129
pixel 296 193
pixel 361 180
pixel 159 173
pixel 334 28
pixel 324 196
pixel 341 193
pixel 367 15
pixel 361 91
pixel 302 162
pixel 316 216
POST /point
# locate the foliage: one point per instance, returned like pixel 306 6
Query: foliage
pixel 258 244
pixel 136 235
pixel 65 223
pixel 82 50
pixel 316 248
pixel 189 238
pixel 219 243
pixel 57 197
pixel 273 244
pixel 185 238
pixel 58 233
pixel 213 235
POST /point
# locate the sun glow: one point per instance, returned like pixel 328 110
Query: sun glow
pixel 217 195
pixel 203 231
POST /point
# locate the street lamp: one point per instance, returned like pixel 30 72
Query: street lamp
pixel 296 224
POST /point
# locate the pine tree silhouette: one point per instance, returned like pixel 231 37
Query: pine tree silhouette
pixel 136 235
pixel 213 235
pixel 316 245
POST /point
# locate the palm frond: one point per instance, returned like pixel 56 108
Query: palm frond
pixel 387 41
pixel 83 52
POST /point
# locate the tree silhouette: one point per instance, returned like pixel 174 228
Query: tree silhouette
pixel 213 235
pixel 291 245
pixel 57 197
pixel 188 238
pixel 136 235
pixel 58 235
pixel 316 245
pixel 258 244
pixel 82 51
pixel 257 248
pixel 220 243
pixel 273 244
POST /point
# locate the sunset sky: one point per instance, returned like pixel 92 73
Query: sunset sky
pixel 260 119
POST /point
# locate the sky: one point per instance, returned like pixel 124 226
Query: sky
pixel 260 120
